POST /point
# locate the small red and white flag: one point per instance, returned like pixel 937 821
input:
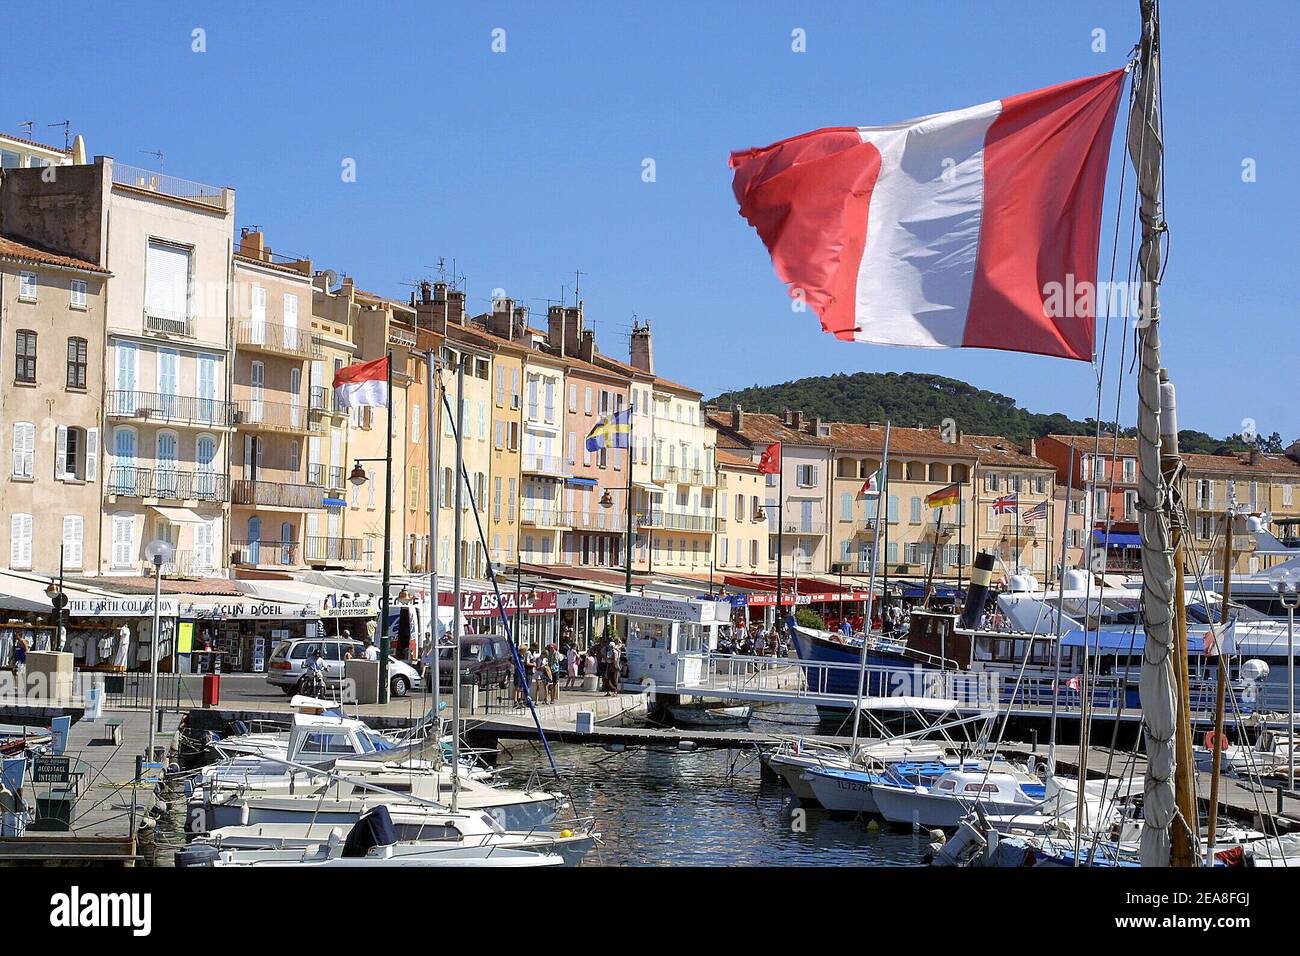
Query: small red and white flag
pixel 364 384
pixel 769 463
pixel 976 228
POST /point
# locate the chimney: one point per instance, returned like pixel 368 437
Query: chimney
pixel 252 244
pixel 587 347
pixel 737 418
pixel 641 352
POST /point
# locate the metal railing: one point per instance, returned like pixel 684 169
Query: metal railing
pixel 270 416
pixel 342 550
pixel 545 517
pixel 179 409
pixel 543 465
pixel 264 553
pixel 274 337
pixel 150 181
pixel 130 482
pixel 330 476
pixel 271 494
pixel 182 325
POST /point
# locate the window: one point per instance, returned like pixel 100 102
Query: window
pixel 25 356
pixel 76 362
pixel 73 532
pixel 27 286
pixel 24 450
pixel 20 541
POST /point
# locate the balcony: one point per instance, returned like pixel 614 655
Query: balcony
pixel 675 474
pixel 264 554
pixel 545 517
pixel 599 521
pixel 271 494
pixel 276 339
pixel 323 550
pixel 326 477
pixel 171 409
pixel 127 481
pixel 671 521
pixel 149 181
pixel 254 414
pixel 547 466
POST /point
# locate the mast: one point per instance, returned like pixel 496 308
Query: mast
pixel 1157 681
pixel 871 596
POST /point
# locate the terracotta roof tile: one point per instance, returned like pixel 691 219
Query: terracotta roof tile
pixel 37 255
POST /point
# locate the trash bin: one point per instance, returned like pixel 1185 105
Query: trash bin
pixel 211 690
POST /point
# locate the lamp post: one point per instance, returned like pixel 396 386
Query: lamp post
pixel 1286 583
pixel 358 478
pixel 158 552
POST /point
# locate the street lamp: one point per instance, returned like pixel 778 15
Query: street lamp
pixel 158 552
pixel 1286 583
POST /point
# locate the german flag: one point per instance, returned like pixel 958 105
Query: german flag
pixel 944 496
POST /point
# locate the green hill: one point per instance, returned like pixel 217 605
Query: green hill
pixel 914 399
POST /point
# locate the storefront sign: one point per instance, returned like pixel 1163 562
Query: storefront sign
pixel 347 605
pixel 484 603
pixel 664 609
pixel 120 607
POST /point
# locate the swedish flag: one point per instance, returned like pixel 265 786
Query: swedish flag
pixel 612 432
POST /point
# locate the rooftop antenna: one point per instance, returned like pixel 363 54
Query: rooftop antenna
pixel 156 153
pixel 67 133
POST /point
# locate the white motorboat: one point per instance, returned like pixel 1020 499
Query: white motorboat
pixel 956 793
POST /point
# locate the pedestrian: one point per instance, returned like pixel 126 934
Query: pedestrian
pixel 571 665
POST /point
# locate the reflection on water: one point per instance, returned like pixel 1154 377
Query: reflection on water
pixel 709 808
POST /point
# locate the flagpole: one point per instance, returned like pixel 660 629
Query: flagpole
pixel 631 463
pixel 385 640
pixel 871 595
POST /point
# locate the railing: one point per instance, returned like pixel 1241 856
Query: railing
pixel 270 494
pixel 342 550
pixel 130 482
pixel 672 521
pixel 325 477
pixel 264 553
pixel 271 416
pixel 148 180
pixel 182 325
pixel 274 337
pixel 598 521
pixel 543 465
pixel 545 517
pixel 158 406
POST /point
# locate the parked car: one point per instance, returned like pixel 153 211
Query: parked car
pixel 485 660
pixel 289 659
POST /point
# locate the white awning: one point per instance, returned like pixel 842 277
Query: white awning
pixel 177 515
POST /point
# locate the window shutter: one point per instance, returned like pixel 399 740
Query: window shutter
pixel 61 451
pixel 92 454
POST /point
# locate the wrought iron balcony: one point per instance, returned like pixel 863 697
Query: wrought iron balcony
pixel 271 494
pixel 127 481
pixel 172 409
pixel 276 339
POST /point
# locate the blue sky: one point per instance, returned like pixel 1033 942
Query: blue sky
pixel 526 165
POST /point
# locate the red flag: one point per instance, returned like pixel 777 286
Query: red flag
pixel 770 462
pixel 974 228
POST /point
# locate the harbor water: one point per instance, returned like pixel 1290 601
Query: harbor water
pixel 657 807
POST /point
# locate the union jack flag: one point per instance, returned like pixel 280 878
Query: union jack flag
pixel 1007 504
pixel 1037 513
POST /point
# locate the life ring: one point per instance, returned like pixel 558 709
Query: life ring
pixel 1210 741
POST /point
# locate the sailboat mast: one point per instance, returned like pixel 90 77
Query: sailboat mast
pixel 1158 679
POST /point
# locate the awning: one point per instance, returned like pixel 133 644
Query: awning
pixel 1118 539
pixel 177 515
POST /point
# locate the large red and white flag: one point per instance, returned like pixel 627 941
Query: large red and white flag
pixel 976 228
pixel 363 384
